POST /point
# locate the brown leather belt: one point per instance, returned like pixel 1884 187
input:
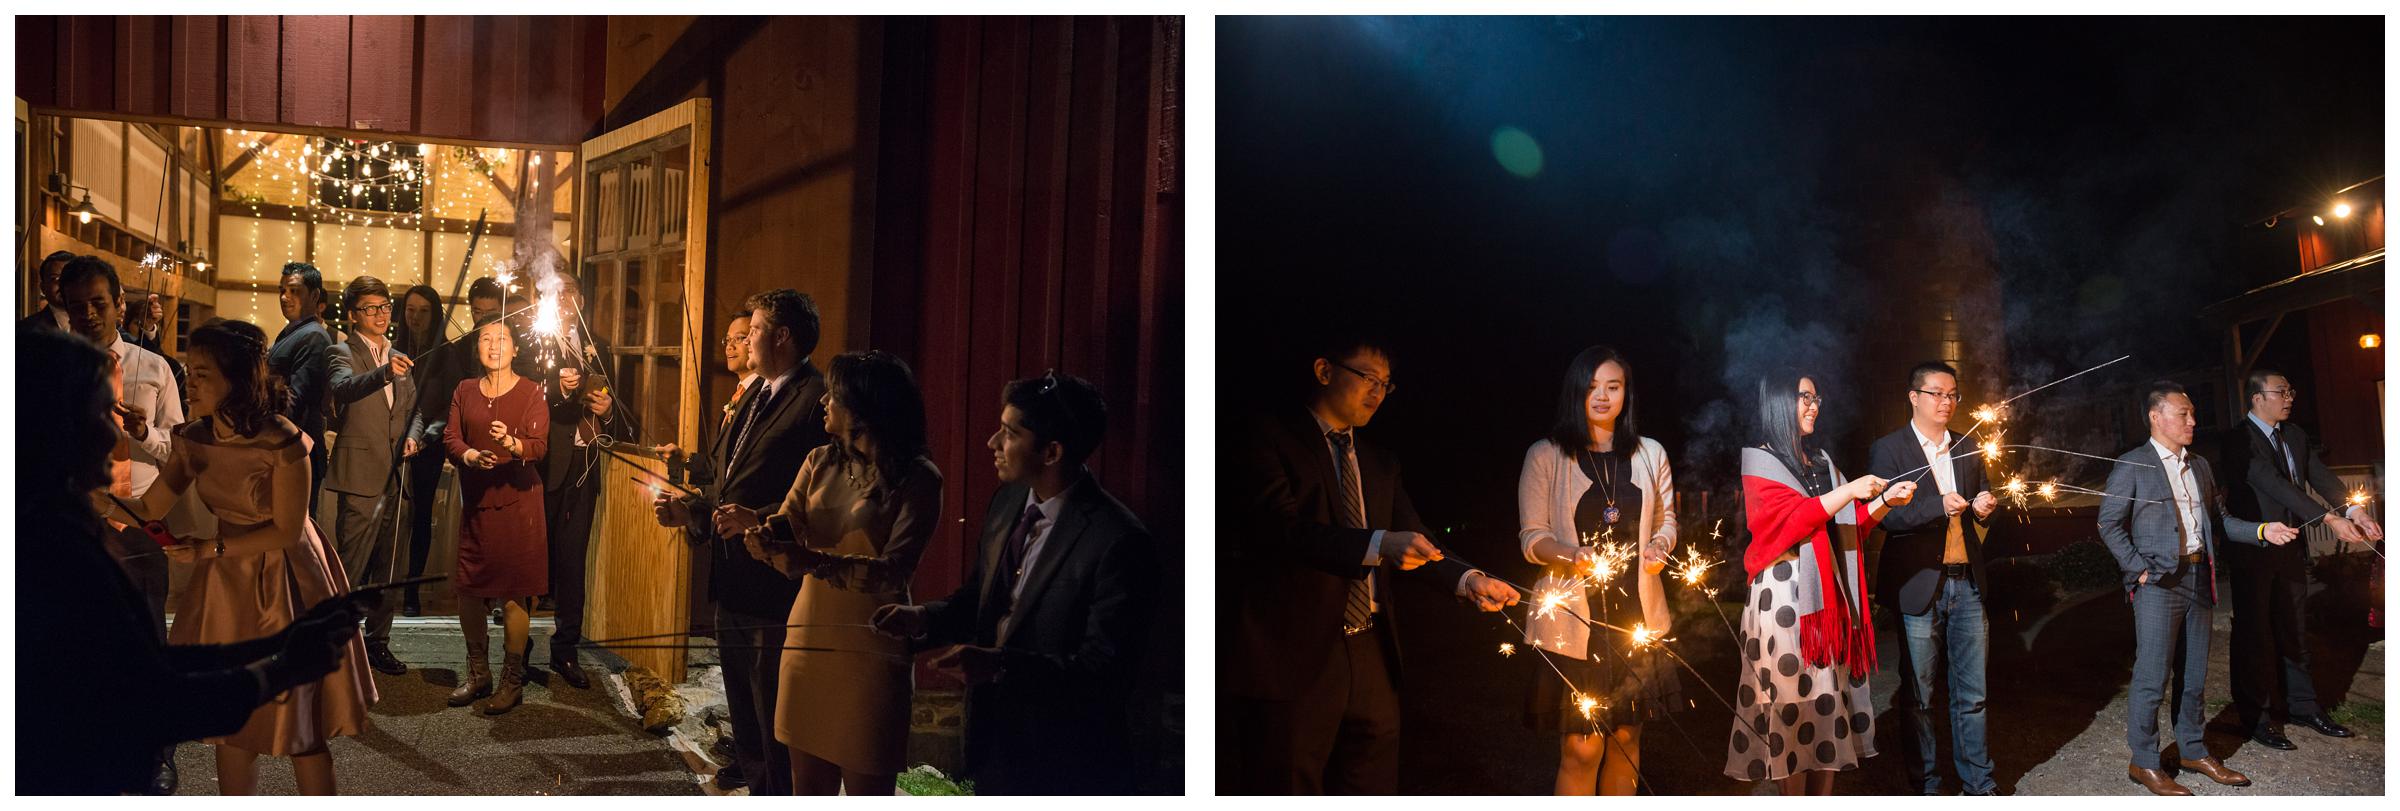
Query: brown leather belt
pixel 2195 557
pixel 1957 571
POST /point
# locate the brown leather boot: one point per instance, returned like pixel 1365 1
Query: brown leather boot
pixel 478 682
pixel 512 686
pixel 2157 782
pixel 2215 769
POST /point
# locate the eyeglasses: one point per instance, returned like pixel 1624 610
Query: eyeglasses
pixel 372 309
pixel 1952 397
pixel 737 340
pixel 2286 394
pixel 1811 400
pixel 1387 386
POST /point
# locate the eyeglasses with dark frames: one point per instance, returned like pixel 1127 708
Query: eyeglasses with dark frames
pixel 1387 386
pixel 1952 397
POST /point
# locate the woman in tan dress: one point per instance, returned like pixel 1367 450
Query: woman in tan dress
pixel 267 564
pixel 857 518
pixel 499 428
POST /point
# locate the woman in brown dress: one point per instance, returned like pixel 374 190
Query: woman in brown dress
pixel 857 518
pixel 267 564
pixel 499 427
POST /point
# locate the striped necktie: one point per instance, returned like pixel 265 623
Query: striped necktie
pixel 1353 514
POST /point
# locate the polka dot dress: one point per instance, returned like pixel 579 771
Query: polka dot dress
pixel 1789 716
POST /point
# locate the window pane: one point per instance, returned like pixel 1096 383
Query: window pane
pixel 629 319
pixel 666 397
pixel 669 314
pixel 641 203
pixel 672 199
pixel 628 384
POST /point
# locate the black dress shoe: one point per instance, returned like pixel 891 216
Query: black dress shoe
pixel 2323 724
pixel 2271 736
pixel 568 670
pixel 412 609
pixel 164 782
pixel 379 656
pixel 729 777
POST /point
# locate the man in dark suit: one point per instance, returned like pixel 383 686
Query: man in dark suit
pixel 1931 572
pixel 1317 522
pixel 582 406
pixel 2270 583
pixel 1052 613
pixel 2165 521
pixel 302 357
pixel 752 463
pixel 50 317
pixel 373 395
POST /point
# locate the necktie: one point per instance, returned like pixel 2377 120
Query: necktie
pixel 1361 606
pixel 759 404
pixel 1012 560
pixel 2283 455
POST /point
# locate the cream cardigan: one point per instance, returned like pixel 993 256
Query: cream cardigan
pixel 1547 488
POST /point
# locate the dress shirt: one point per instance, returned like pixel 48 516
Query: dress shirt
pixel 2186 487
pixel 149 383
pixel 1033 547
pixel 1945 479
pixel 381 353
pixel 2293 468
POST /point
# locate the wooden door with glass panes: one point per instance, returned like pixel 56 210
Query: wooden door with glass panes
pixel 641 244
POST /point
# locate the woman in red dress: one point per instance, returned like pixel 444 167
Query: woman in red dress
pixel 499 428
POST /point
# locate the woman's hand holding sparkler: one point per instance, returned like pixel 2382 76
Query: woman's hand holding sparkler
pixel 671 512
pixel 734 519
pixel 1863 488
pixel 1487 592
pixel 182 552
pixel 1408 549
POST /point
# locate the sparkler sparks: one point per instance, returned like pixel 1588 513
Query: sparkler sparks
pixel 1586 705
pixel 1508 649
pixel 1986 414
pixel 1547 603
pixel 1692 568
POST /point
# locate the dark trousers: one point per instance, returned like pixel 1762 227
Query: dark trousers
pixel 363 538
pixel 2170 630
pixel 751 664
pixel 570 541
pixel 2270 647
pixel 1340 736
pixel 424 474
pixel 316 471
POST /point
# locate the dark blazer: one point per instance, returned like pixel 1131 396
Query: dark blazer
pixel 41 319
pixel 129 691
pixel 779 443
pixel 439 371
pixel 1909 571
pixel 370 431
pixel 571 464
pixel 302 356
pixel 2142 527
pixel 1284 565
pixel 2266 493
pixel 1055 722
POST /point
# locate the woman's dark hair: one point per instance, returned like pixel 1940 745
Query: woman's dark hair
pixel 1779 419
pixel 1571 431
pixel 410 341
pixel 253 398
pixel 61 375
pixel 881 394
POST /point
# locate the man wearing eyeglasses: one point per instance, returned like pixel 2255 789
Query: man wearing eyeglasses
pixel 51 316
pixel 1931 572
pixel 2270 582
pixel 373 399
pixel 1317 523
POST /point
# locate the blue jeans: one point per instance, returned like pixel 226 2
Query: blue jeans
pixel 1952 628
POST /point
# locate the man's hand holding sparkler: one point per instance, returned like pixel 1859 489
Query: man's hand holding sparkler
pixel 570 379
pixel 2367 528
pixel 1984 504
pixel 1410 550
pixel 2343 529
pixel 900 621
pixel 135 419
pixel 2278 534
pixel 1953 504
pixel 735 519
pixel 399 365
pixel 598 401
pixel 671 512
pixel 974 665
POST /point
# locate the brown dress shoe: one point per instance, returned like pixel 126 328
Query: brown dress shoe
pixel 2157 782
pixel 2215 769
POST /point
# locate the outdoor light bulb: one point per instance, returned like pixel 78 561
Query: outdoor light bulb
pixel 2320 220
pixel 2341 209
pixel 84 217
pixel 2370 341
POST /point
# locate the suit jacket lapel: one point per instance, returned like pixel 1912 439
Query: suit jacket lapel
pixel 1317 459
pixel 725 438
pixel 996 527
pixel 1072 519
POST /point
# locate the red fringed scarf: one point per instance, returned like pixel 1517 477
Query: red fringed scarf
pixel 1782 515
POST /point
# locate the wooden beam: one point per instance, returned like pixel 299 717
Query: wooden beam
pixel 272 211
pixel 298 129
pixel 247 154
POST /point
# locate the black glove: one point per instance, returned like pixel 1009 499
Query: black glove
pixel 314 644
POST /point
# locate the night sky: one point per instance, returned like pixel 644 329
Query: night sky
pixel 1716 196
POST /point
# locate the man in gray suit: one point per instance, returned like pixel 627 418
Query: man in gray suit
pixel 372 400
pixel 2165 521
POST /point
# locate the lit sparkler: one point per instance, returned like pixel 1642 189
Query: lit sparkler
pixel 2014 489
pixel 1692 568
pixel 1586 705
pixel 1508 649
pixel 2048 491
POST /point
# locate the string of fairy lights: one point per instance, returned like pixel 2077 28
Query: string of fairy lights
pixel 363 187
